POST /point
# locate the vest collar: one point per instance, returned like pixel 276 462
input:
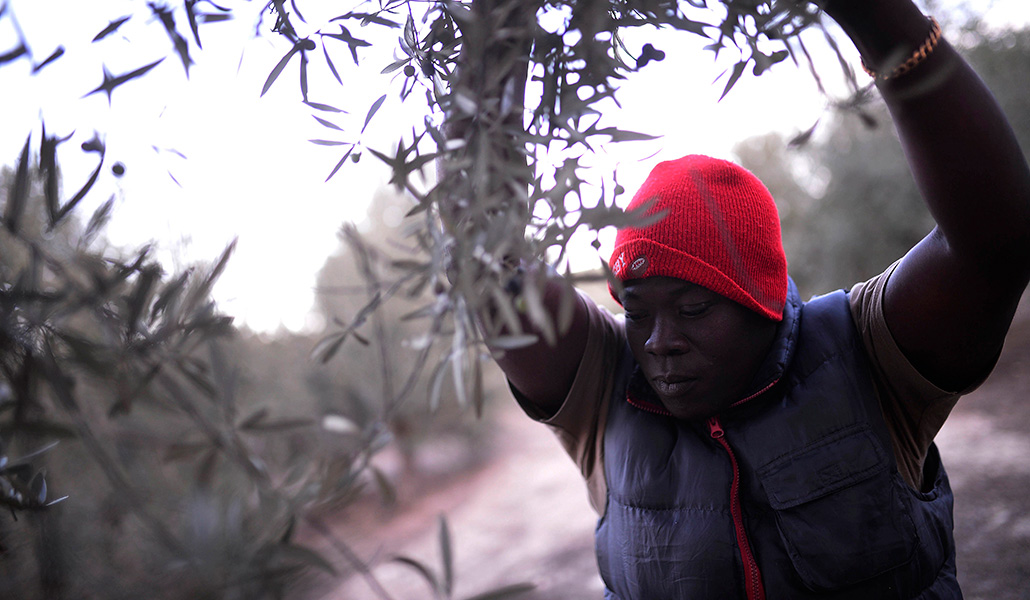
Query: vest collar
pixel 782 350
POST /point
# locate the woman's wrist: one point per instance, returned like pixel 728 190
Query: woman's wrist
pixel 887 33
pixel 918 56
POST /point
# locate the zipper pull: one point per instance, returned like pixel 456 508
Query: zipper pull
pixel 715 428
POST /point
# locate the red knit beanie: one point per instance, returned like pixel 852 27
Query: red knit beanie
pixel 720 230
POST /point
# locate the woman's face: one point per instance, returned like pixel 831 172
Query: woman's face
pixel 698 350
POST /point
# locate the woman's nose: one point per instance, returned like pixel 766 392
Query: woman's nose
pixel 665 338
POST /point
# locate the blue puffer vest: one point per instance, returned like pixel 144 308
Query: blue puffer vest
pixel 797 488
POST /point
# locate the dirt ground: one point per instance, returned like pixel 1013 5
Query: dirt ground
pixel 523 516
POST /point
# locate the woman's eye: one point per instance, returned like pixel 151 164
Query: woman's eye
pixel 695 310
pixel 634 316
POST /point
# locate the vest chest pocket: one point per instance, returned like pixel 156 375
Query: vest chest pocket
pixel 839 509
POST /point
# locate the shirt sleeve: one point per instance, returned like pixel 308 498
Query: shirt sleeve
pixel 580 421
pixel 914 408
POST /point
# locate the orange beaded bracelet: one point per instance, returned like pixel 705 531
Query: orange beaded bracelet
pixel 921 53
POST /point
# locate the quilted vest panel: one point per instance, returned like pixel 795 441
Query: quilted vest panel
pixel 825 509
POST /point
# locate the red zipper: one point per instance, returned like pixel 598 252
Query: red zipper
pixel 752 576
pixel 756 394
pixel 646 406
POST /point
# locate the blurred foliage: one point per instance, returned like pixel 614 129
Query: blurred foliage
pixel 848 203
pixel 103 350
pixel 196 460
pixel 390 364
pixel 186 481
pixel 441 583
pixel 513 95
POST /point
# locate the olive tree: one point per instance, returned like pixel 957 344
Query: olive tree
pixel 513 95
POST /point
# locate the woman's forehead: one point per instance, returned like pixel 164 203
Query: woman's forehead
pixel 661 287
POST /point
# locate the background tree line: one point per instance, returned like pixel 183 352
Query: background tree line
pixel 197 459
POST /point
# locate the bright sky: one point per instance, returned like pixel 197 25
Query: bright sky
pixel 251 174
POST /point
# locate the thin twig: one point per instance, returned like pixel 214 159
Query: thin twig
pixel 322 529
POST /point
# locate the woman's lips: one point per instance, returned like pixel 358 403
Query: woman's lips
pixel 672 385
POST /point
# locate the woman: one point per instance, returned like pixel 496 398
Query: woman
pixel 738 442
